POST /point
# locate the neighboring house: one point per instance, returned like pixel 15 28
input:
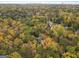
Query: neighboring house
pixel 77 32
pixel 2 56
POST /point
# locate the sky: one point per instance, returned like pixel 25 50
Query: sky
pixel 40 1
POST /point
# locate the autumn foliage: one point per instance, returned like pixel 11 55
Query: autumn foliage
pixel 39 31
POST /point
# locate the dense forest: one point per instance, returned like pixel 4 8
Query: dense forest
pixel 39 31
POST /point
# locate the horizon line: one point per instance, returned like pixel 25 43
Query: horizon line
pixel 39 2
